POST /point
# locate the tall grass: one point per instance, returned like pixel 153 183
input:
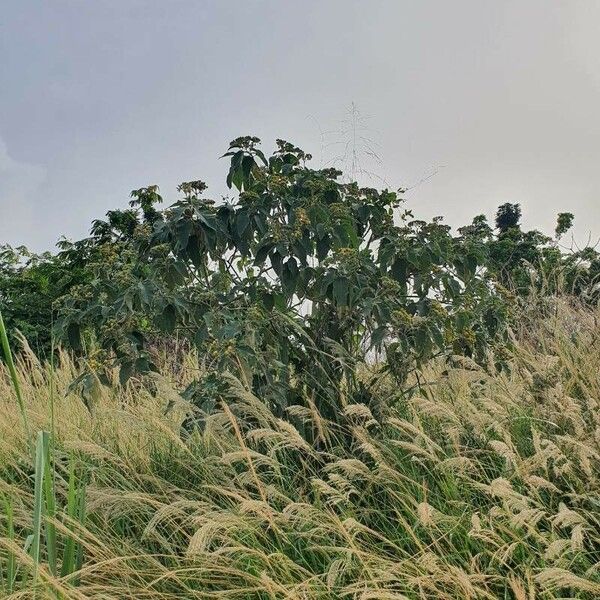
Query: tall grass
pixel 481 485
pixel 44 510
pixel 8 358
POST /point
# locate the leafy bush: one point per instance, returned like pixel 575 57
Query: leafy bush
pixel 292 283
pixel 289 284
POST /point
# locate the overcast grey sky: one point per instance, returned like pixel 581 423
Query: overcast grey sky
pixel 469 103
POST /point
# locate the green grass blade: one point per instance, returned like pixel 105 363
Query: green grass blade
pixel 81 514
pixel 11 563
pixel 13 375
pixel 50 510
pixel 69 554
pixel 50 480
pixel 73 551
pixel 38 500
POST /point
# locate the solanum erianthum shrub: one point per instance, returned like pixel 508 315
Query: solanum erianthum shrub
pixel 290 284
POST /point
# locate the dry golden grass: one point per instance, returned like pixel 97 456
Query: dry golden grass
pixel 480 486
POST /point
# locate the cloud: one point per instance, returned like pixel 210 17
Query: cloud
pixel 20 187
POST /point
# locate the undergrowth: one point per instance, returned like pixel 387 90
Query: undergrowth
pixel 478 485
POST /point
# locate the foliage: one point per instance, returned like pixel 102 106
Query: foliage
pixel 564 222
pixel 29 285
pixel 292 283
pixel 508 217
pixel 289 284
pixel 525 261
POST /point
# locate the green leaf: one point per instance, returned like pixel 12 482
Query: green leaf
pixel 438 337
pixel 462 320
pixel 340 291
pixel 201 335
pixel 168 318
pixel 41 453
pixel 277 262
pixel 399 270
pixel 184 231
pixel 248 165
pixel 378 336
pixel 280 301
pixel 125 372
pixel 423 341
pixel 74 336
pixel 300 251
pixel 229 331
pixel 262 252
pixel 323 247
pixel 243 220
pixel 145 292
pixel 289 276
pixel 268 300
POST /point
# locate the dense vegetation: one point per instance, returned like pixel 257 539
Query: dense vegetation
pixel 477 486
pixel 289 283
pixel 301 391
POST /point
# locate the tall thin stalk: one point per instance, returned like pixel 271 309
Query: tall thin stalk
pixel 7 581
pixel 15 380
